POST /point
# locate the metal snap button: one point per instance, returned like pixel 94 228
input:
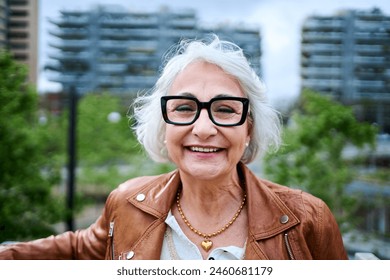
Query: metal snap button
pixel 130 255
pixel 140 197
pixel 283 219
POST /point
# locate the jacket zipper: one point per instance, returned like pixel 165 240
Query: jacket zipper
pixel 111 235
pixel 289 250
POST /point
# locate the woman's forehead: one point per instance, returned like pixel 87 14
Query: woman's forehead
pixel 203 79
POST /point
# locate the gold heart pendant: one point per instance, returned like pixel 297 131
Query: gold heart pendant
pixel 206 244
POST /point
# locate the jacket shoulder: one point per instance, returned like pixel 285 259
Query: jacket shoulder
pixel 133 186
pixel 293 197
pixel 307 207
pixel 136 184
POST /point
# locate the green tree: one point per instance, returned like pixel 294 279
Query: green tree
pixel 27 203
pixel 103 131
pixel 108 152
pixel 311 157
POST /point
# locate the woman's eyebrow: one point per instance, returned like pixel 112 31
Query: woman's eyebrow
pixel 187 94
pixel 224 95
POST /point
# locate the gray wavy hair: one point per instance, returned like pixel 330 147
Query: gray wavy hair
pixel 149 125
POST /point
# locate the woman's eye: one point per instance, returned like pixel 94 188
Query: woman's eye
pixel 226 110
pixel 184 108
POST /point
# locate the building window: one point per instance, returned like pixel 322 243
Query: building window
pixel 16 24
pixel 18 35
pixel 19 3
pixel 21 56
pixel 19 13
pixel 19 46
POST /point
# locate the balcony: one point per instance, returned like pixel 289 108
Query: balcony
pixel 71 33
pixel 71 56
pixel 189 23
pixel 321 83
pixel 107 45
pixel 322 59
pixel 371 60
pixel 128 33
pixel 321 71
pixel 70 78
pixel 140 82
pixel 318 48
pixel 318 24
pixel 142 46
pixel 110 82
pixel 322 36
pixel 369 49
pixel 70 22
pixel 374 85
pixel 129 21
pixel 74 45
pixel 176 33
pixel 112 68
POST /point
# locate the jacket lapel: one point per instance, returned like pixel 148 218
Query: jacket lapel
pixel 154 198
pixel 268 215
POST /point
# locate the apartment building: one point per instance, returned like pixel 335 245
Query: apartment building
pixel 19 33
pixel 111 49
pixel 3 24
pixel 347 56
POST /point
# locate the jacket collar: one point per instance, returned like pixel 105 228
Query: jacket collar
pixel 268 215
pixel 156 196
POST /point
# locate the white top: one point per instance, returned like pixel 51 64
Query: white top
pixel 177 246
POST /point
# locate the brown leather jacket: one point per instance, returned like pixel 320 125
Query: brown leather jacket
pixel 283 224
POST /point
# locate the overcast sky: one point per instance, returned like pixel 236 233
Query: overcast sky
pixel 279 22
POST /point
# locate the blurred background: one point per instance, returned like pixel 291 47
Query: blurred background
pixel 69 71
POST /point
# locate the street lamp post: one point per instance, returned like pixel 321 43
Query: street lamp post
pixel 71 157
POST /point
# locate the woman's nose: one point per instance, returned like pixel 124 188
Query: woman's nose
pixel 203 126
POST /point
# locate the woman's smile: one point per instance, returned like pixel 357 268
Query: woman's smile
pixel 205 152
pixel 204 149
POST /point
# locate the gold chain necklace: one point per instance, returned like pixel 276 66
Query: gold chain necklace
pixel 207 243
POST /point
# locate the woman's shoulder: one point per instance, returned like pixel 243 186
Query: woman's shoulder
pixel 296 199
pixel 309 209
pixel 292 196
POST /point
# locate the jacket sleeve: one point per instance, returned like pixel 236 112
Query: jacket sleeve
pixel 90 243
pixel 329 242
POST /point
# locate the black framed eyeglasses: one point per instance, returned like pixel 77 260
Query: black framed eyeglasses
pixel 222 111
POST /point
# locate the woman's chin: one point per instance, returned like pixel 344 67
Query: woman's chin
pixel 203 171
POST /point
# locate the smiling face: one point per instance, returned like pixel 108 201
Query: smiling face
pixel 204 150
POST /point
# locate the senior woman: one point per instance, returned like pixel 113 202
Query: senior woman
pixel 207 114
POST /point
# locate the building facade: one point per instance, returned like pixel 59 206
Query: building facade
pixel 347 56
pixel 3 24
pixel 118 51
pixel 19 33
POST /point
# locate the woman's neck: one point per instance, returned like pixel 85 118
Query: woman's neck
pixel 211 195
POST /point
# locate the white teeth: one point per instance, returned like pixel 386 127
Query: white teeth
pixel 203 150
